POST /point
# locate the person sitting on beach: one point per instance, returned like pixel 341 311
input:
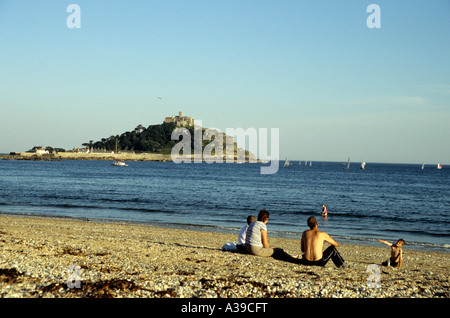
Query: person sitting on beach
pixel 396 253
pixel 257 243
pixel 242 235
pixel 312 245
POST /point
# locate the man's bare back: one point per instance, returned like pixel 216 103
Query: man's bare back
pixel 312 247
pixel 312 243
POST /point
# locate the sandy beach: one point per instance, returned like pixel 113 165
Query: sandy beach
pixel 65 258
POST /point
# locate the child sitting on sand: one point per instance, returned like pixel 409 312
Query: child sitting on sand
pixel 396 253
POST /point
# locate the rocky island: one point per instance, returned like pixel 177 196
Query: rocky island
pixel 153 143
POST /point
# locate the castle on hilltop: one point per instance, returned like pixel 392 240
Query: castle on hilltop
pixel 180 120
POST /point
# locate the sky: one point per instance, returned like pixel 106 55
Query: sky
pixel 334 87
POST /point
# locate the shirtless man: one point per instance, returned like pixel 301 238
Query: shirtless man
pixel 312 245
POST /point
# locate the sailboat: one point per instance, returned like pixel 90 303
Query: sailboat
pixel 423 166
pixel 439 166
pixel 363 165
pixel 348 164
pixel 286 163
pixel 119 163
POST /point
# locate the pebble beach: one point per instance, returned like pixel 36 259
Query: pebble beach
pixel 45 257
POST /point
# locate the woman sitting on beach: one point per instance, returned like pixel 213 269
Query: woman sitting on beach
pixel 257 243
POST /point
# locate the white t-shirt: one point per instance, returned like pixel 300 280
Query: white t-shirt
pixel 242 235
pixel 253 236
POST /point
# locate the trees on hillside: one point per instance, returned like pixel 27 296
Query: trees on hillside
pixel 154 138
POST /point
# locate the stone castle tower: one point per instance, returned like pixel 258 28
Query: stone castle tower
pixel 180 120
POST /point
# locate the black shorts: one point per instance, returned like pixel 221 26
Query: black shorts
pixel 390 263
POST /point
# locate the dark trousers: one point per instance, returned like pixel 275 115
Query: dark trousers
pixel 241 249
pixel 330 253
pixel 389 262
pixel 281 255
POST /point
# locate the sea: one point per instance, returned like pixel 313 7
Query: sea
pixel 387 201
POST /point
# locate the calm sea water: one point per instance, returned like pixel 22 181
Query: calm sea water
pixel 388 201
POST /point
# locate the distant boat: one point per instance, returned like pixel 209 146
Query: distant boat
pixel 423 166
pixel 363 165
pixel 439 166
pixel 286 163
pixel 348 164
pixel 119 163
pixel 310 163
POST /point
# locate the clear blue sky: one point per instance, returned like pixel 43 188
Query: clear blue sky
pixel 334 87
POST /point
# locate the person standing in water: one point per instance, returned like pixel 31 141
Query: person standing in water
pixel 324 210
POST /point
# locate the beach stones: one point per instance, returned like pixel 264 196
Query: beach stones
pixel 130 260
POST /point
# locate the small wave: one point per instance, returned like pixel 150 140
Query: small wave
pixel 93 207
pixel 418 232
pixel 428 245
pixel 71 206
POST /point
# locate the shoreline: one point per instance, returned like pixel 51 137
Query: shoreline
pixel 86 156
pixel 366 242
pixel 135 260
pixel 104 156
